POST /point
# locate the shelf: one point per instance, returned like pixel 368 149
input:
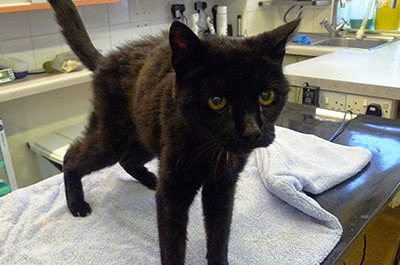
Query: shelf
pixel 295 3
pixel 30 6
pixel 35 84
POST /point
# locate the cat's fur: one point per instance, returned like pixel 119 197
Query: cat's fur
pixel 147 105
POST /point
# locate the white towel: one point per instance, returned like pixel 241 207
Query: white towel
pixel 36 227
pixel 297 162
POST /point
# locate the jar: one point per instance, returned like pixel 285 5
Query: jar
pixel 358 8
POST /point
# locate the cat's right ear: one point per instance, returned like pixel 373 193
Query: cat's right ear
pixel 187 49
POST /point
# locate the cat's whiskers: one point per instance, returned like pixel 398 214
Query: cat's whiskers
pixel 228 161
pixel 216 164
pixel 204 148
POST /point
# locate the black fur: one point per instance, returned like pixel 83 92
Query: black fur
pixel 147 105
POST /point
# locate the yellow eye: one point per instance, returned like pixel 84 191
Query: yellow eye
pixel 217 103
pixel 266 98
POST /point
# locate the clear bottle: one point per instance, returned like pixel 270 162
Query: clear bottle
pixel 358 8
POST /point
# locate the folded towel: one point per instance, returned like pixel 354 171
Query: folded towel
pixel 302 39
pixel 36 227
pixel 314 165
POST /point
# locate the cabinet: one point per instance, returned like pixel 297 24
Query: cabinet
pixel 6 159
pixel 24 5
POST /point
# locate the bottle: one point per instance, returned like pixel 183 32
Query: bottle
pixel 210 26
pixel 387 15
pixel 357 13
pixel 194 19
pixel 239 26
pixel 222 21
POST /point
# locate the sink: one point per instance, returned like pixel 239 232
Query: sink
pixel 367 43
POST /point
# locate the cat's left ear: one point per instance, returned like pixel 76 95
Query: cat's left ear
pixel 273 43
pixel 187 49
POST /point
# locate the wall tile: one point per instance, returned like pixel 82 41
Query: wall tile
pixel 140 10
pixel 46 47
pixel 260 21
pixel 14 25
pixel 161 9
pixel 101 39
pixel 21 49
pixel 138 30
pixel 319 15
pixel 307 23
pixel 95 16
pixel 64 46
pixel 42 22
pixel 120 34
pixel 118 13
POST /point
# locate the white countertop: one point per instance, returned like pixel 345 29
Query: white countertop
pixel 373 73
pixel 35 84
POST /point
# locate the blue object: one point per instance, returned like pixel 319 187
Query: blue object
pixel 20 74
pixel 302 39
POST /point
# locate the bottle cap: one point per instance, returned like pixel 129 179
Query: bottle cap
pixel 222 9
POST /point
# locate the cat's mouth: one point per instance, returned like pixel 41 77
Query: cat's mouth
pixel 242 146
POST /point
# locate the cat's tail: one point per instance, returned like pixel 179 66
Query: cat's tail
pixel 75 33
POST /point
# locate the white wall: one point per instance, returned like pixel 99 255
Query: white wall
pixel 258 19
pixel 34 36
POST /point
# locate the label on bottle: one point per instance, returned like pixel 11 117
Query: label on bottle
pixel 387 3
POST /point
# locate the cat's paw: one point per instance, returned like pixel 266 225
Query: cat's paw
pixel 150 181
pixel 81 209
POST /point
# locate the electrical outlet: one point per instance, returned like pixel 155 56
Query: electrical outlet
pixel 358 105
pixel 332 100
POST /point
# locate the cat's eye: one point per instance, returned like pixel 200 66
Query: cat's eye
pixel 266 98
pixel 217 102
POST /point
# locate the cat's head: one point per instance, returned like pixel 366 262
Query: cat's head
pixel 229 89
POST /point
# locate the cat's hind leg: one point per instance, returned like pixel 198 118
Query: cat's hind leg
pixel 133 163
pixel 83 157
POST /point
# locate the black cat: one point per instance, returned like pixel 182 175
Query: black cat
pixel 201 114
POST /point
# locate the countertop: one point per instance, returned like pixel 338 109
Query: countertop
pixel 367 72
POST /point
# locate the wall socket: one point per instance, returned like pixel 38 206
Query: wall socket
pixel 358 105
pixel 332 100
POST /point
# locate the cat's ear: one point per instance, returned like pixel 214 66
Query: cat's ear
pixel 187 49
pixel 273 43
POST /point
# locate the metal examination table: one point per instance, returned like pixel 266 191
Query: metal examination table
pixel 356 201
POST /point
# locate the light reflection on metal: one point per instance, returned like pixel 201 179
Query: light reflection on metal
pixel 377 145
pixel 385 128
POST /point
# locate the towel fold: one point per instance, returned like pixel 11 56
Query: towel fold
pixel 297 162
pixel 36 227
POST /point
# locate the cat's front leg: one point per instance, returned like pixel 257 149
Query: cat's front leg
pixel 174 196
pixel 217 198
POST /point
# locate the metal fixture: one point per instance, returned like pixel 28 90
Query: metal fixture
pixel 334 28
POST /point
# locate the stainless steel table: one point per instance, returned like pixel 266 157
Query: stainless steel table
pixel 356 201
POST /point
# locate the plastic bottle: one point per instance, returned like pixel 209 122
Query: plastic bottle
pixel 357 13
pixel 387 15
pixel 239 26
pixel 222 21
pixel 194 19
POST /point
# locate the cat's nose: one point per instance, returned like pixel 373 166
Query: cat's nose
pixel 251 130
